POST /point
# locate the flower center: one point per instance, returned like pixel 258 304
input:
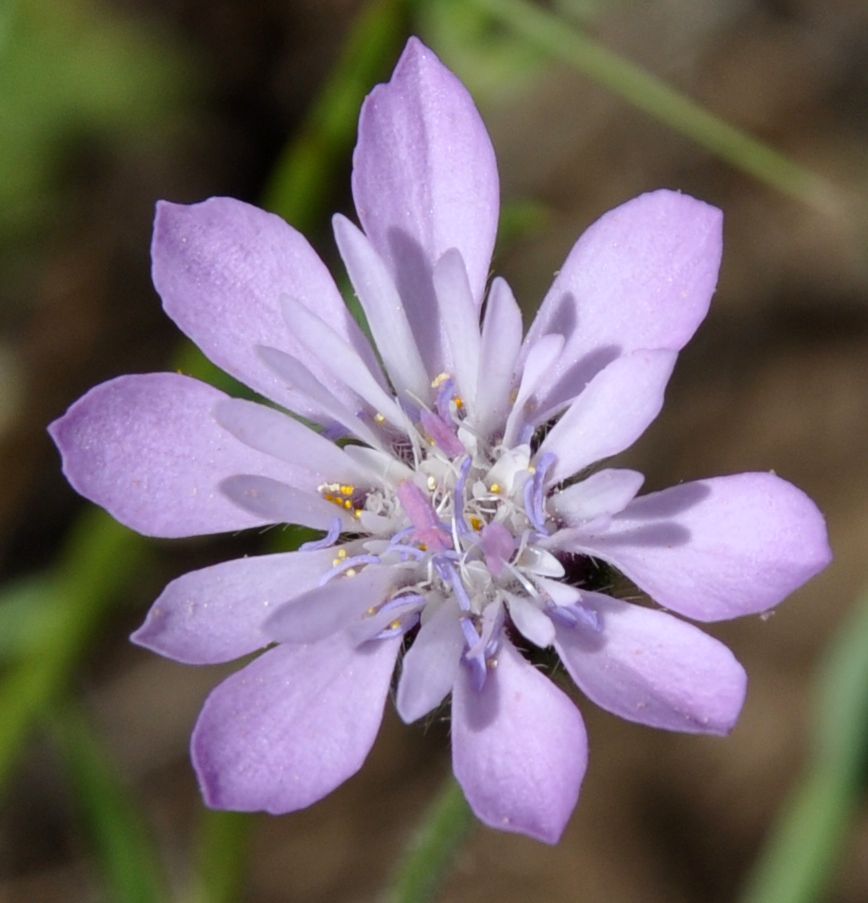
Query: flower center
pixel 463 525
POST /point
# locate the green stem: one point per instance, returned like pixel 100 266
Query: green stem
pixel 224 845
pixel 428 858
pixel 650 94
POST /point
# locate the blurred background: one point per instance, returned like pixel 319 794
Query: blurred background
pixel 108 106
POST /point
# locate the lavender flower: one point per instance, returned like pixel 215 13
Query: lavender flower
pixel 462 512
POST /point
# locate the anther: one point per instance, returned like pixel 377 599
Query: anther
pixel 379 418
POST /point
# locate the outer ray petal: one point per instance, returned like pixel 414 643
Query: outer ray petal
pixel 714 549
pixel 292 726
pixel 221 268
pixel 216 614
pixel 148 449
pixel 519 748
pixel 613 411
pixel 648 666
pixel 642 276
pixel 425 180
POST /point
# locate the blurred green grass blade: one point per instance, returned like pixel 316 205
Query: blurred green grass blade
pixel 652 95
pixel 23 615
pixel 302 184
pixel 431 853
pixel 125 852
pixel 99 557
pixel 798 864
pixel 222 859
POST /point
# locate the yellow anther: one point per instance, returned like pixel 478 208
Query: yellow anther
pixel 439 380
pixel 459 402
pixel 357 514
pixel 496 488
pixel 476 522
pixel 371 611
pixel 423 547
pixel 348 490
pixel 395 625
pixel 348 505
pixel 379 418
pixel 351 572
pixel 342 553
pixel 531 470
pixel 431 483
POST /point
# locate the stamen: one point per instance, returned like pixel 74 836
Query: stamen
pixel 328 540
pixel 426 525
pixel 442 434
pixel 458 495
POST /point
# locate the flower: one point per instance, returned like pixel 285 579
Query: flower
pixel 464 515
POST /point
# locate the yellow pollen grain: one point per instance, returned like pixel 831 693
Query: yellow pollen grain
pixel 347 490
pixel 357 514
pixel 379 418
pixel 476 522
pixel 348 505
pixel 496 488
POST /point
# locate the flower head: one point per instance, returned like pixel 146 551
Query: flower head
pixel 454 472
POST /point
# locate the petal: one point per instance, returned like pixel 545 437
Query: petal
pixel 718 548
pixel 498 354
pixel 519 748
pixel 216 614
pixel 530 620
pixel 293 725
pixel 431 664
pixel 648 666
pixel 221 268
pixel 613 411
pixel 383 309
pixel 148 449
pixel 314 459
pixel 298 379
pixel 641 277
pixel 603 493
pixel 335 355
pixel 538 364
pixel 459 318
pixel 425 180
pixel 276 503
pixel 323 610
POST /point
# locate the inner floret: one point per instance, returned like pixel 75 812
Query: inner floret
pixel 461 526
